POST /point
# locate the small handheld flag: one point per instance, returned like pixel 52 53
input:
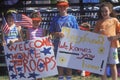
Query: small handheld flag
pixel 22 20
pixel 5 26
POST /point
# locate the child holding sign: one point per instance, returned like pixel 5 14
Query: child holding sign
pixel 109 25
pixel 59 21
pixel 36 31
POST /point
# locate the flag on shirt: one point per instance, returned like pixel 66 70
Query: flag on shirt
pixel 5 26
pixel 22 20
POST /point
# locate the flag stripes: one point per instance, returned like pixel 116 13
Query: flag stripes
pixel 5 26
pixel 23 20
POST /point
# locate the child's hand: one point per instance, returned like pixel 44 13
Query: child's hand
pixel 111 38
pixel 17 41
pixel 59 34
pixel 3 43
pixel 11 42
pixel 49 37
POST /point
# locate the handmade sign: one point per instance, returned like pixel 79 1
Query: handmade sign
pixel 83 50
pixel 31 59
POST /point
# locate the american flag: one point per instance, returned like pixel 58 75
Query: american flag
pixel 5 26
pixel 22 20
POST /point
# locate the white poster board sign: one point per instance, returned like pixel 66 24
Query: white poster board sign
pixel 83 50
pixel 31 59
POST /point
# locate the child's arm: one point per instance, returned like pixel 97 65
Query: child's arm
pixel 117 36
pixel 27 35
pixel 20 34
pixel 111 38
pixel 3 39
pixel 44 32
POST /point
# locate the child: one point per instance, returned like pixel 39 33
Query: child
pixel 36 31
pixel 109 25
pixel 63 19
pixel 15 32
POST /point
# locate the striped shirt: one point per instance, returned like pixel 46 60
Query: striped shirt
pixel 13 34
pixel 35 33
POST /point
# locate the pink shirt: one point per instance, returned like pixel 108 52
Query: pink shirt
pixel 35 33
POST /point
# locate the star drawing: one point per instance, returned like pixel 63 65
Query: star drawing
pixel 33 75
pixel 13 76
pixel 8 56
pixel 10 68
pixel 19 69
pixel 41 65
pixel 19 56
pixel 46 51
pixel 21 75
pixel 31 51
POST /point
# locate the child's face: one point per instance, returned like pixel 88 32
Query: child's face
pixel 62 9
pixel 36 23
pixel 105 12
pixel 10 20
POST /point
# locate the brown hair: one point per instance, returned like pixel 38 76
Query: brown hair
pixel 110 6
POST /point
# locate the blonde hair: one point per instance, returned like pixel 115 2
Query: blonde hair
pixel 11 11
pixel 62 1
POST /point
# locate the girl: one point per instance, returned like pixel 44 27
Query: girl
pixel 109 25
pixel 36 31
pixel 15 32
pixel 63 19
